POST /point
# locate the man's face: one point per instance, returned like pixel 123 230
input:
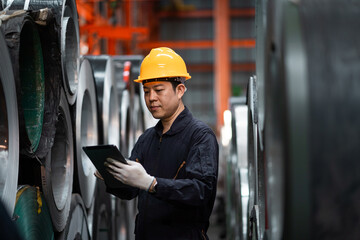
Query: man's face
pixel 161 99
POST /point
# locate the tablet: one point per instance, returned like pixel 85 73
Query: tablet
pixel 98 155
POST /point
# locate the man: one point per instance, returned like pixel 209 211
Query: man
pixel 175 164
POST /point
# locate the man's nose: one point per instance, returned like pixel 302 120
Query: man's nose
pixel 152 95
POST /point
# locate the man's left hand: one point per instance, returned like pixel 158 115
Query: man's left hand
pixel 132 174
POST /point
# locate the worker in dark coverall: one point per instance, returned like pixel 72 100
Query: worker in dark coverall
pixel 174 165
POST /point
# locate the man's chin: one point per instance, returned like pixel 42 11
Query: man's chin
pixel 156 116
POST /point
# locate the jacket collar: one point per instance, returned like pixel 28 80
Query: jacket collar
pixel 181 121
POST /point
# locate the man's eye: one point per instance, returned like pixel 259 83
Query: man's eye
pixel 158 90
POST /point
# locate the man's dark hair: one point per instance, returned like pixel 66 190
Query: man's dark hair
pixel 175 84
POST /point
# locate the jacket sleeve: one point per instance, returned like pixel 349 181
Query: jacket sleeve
pixel 199 186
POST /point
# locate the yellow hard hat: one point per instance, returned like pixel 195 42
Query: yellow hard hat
pixel 162 63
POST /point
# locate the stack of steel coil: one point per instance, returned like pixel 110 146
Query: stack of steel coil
pixel 53 103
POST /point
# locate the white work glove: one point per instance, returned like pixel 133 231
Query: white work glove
pixel 132 174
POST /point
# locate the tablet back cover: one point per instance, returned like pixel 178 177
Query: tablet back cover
pixel 98 155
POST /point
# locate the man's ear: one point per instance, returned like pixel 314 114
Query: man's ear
pixel 180 90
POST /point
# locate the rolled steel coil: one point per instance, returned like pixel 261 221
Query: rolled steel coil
pixel 125 122
pixel 240 146
pixel 77 226
pixel 107 99
pixel 261 57
pixel 131 69
pixel 58 168
pixel 323 110
pixel 124 105
pixel 32 215
pixel 67 26
pixel 252 143
pixel 86 132
pixel 25 49
pixel 130 121
pixel 255 164
pixel 9 131
pixel 124 73
pixel 102 219
pixel 123 220
pixel 274 131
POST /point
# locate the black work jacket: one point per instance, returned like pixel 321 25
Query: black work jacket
pixel 184 161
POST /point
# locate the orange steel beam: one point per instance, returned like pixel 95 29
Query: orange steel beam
pixel 241 12
pixel 222 59
pixel 238 43
pixel 242 43
pixel 208 67
pixel 114 32
pixel 85 11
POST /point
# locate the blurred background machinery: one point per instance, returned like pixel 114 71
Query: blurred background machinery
pixel 277 80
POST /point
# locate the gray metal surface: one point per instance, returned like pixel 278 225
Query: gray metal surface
pixel 333 60
pixel 57 171
pixel 9 131
pixel 107 99
pixel 66 16
pixel 86 132
pixel 297 171
pixel 77 226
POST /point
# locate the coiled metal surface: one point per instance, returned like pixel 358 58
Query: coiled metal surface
pixel 65 13
pixel 302 159
pixel 32 215
pixel 107 99
pixel 77 226
pixel 57 172
pixel 27 61
pixel 86 131
pixel 9 131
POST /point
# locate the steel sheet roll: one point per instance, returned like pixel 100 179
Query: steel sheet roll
pixel 252 143
pixel 124 106
pixel 255 164
pixel 32 215
pixel 331 116
pixel 86 132
pixel 53 78
pixel 274 130
pixel 57 171
pixel 125 124
pixel 107 99
pixel 122 225
pixel 77 226
pixel 240 147
pixel 25 49
pixel 9 131
pixel 132 70
pixel 261 57
pixel 124 66
pixel 67 25
pixel 274 142
pixel 297 206
pixel 102 221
